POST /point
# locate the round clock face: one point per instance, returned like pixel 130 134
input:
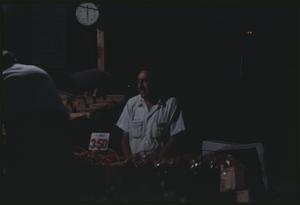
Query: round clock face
pixel 87 13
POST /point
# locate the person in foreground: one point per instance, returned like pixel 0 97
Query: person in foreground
pixel 36 124
pixel 150 121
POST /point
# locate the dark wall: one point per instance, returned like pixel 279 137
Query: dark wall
pixel 81 42
pixel 49 35
pixel 17 35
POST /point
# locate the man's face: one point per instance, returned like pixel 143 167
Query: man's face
pixel 143 83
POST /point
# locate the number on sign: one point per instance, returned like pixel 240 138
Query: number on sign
pixel 93 144
pixel 102 143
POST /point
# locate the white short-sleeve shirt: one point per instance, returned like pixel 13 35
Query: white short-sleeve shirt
pixel 148 128
pixel 29 90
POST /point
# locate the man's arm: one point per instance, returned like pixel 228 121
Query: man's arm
pixel 166 148
pixel 177 128
pixel 125 145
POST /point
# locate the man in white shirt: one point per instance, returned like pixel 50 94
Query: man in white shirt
pixel 149 122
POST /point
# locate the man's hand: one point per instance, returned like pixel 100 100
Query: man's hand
pixel 152 157
pixel 166 148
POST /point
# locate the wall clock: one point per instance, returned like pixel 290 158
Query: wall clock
pixel 87 13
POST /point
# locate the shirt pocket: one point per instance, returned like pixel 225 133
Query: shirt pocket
pixel 160 130
pixel 136 129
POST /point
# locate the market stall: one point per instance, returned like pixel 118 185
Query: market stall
pixel 217 177
pixel 206 175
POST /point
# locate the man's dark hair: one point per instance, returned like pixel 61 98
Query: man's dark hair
pixel 8 59
pixel 154 72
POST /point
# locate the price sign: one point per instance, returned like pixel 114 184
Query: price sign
pixel 99 141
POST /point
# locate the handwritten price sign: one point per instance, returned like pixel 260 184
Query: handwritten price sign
pixel 99 141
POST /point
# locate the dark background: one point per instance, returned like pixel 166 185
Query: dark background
pixel 199 46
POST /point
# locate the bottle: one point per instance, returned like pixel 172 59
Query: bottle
pixel 227 174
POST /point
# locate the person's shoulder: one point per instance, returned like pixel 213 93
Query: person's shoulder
pixel 171 100
pixel 134 99
pixel 25 73
pixel 35 69
pixel 131 102
pixel 27 69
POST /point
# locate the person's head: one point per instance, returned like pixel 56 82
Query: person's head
pixel 147 82
pixel 8 59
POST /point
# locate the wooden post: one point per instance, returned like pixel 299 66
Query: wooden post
pixel 100 47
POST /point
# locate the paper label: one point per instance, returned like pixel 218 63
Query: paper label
pixel 99 141
pixel 227 181
pixel 242 196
